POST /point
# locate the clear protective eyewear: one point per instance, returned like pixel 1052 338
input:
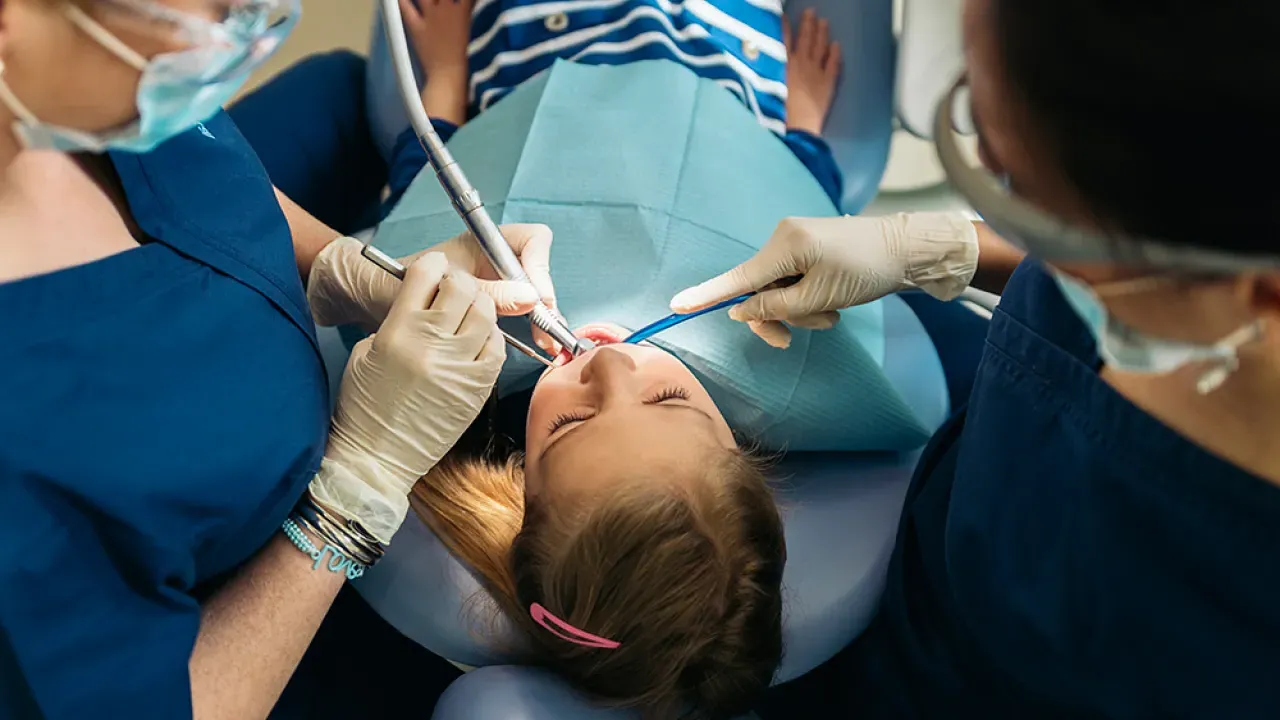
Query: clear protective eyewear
pixel 1048 238
pixel 245 33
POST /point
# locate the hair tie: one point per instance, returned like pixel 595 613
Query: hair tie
pixel 567 632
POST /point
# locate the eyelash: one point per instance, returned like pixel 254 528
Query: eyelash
pixel 670 393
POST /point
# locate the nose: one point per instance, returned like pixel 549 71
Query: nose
pixel 610 374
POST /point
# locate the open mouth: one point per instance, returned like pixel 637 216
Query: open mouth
pixel 598 333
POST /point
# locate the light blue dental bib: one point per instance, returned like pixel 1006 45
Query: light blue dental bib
pixel 654 180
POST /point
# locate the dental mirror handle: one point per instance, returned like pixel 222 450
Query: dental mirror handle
pixel 394 268
pixel 674 319
pixel 465 198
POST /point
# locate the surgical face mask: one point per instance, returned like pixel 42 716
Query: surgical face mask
pixel 178 90
pixel 1128 350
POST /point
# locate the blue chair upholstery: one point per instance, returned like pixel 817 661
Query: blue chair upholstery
pixel 858 130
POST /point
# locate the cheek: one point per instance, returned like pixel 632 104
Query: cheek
pixel 1202 316
pixel 78 84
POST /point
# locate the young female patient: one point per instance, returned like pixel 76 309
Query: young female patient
pixel 636 545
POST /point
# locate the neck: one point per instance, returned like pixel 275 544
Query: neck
pixel 1238 422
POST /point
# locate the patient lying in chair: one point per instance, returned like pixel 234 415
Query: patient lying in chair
pixel 636 545
pixel 634 542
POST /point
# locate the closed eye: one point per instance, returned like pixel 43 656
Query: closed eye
pixel 664 395
pixel 669 393
pixel 566 418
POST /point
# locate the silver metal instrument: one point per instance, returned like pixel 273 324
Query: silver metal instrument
pixel 465 198
pixel 393 266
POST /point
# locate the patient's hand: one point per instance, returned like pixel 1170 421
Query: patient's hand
pixel 813 67
pixel 440 31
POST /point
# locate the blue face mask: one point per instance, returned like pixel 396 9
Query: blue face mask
pixel 177 91
pixel 1128 350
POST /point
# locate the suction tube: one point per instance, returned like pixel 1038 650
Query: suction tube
pixel 465 198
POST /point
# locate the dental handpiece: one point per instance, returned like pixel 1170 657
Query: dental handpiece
pixel 465 198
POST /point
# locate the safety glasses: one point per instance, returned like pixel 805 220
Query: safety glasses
pixel 243 34
pixel 1048 238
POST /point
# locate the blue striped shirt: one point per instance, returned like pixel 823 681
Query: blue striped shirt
pixel 735 43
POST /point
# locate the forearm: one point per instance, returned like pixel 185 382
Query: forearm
pixel 310 236
pixel 997 260
pixel 255 630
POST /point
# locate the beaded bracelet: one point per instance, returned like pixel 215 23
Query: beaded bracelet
pixel 347 535
pixel 338 560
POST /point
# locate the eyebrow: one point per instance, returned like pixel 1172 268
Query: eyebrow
pixel 659 406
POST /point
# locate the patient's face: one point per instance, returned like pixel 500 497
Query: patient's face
pixel 595 419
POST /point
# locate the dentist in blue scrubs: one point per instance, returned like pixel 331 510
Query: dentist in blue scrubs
pixel 180 509
pixel 1096 533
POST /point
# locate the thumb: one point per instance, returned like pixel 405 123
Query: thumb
pixel 532 244
pixel 510 297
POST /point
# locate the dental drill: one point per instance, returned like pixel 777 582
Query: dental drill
pixel 465 198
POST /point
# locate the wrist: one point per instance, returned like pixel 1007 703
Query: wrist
pixel 362 491
pixel 445 95
pixel 940 250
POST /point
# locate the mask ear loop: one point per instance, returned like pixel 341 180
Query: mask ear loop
pixel 1213 378
pixel 106 39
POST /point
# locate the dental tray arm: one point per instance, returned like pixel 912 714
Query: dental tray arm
pixel 464 196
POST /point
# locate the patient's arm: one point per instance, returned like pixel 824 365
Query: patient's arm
pixel 996 260
pixel 440 30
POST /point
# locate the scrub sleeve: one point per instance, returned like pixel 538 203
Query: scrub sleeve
pixel 1062 554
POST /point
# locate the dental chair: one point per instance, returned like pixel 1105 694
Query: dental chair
pixel 840 509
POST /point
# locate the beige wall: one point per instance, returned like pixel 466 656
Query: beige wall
pixel 325 25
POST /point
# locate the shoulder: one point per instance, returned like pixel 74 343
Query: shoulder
pixel 1033 303
pixel 198 175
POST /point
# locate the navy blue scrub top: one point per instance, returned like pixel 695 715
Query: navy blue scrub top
pixel 161 410
pixel 1064 554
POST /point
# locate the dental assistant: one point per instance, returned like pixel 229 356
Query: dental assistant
pixel 180 509
pixel 1095 534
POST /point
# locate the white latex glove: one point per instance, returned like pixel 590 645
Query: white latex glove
pixel 408 394
pixel 842 261
pixel 345 288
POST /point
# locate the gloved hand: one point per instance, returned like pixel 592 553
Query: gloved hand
pixel 408 394
pixel 345 288
pixel 842 261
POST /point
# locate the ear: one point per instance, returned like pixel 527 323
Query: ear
pixel 1260 293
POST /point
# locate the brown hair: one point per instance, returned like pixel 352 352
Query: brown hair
pixel 688 581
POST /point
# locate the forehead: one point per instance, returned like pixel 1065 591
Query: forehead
pixel 656 438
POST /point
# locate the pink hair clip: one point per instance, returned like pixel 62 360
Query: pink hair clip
pixel 567 632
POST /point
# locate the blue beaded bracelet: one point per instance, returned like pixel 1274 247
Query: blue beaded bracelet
pixel 337 562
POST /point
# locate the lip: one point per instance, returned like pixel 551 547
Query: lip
pixel 602 333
